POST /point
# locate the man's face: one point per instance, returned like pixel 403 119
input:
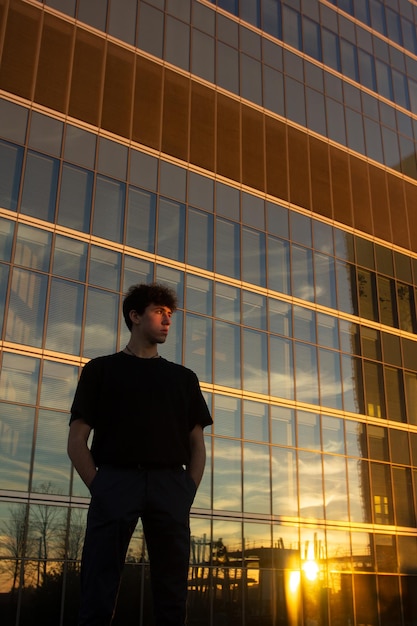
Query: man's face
pixel 154 323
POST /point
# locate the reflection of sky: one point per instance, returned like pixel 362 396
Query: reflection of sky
pixel 335 486
pixel 256 479
pixel 227 475
pixel 310 481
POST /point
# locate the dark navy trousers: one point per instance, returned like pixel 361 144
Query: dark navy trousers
pixel 162 498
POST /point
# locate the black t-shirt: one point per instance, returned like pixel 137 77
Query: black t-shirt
pixel 141 410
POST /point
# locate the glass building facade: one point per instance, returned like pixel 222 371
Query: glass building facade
pixel 259 156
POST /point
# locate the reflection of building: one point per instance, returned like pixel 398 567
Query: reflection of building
pixel 260 157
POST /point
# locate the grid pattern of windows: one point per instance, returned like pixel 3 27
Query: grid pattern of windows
pixel 295 265
pixel 254 63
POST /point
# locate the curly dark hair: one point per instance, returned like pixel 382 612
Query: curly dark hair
pixel 138 297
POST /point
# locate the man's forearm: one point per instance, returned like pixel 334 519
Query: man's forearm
pixel 79 452
pixel 198 455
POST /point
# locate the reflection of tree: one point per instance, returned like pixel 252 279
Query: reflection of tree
pixel 45 525
pixel 16 544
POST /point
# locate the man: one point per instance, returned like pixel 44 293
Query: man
pixel 147 459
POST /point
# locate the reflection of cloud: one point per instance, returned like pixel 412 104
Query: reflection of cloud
pixel 64 337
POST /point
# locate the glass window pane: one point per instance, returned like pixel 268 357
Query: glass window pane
pixel 358 484
pixel 45 134
pixel 202 55
pixel 227 302
pixel 325 280
pixel 109 206
pixel 227 475
pixel 74 209
pixel 330 379
pixel 377 443
pixel 40 186
pixel 122 20
pixel 11 169
pixel 13 121
pixel 403 497
pixel 255 367
pixel 171 229
pixel 255 421
pixel 254 310
pixel 63 333
pixel 308 430
pixel 282 426
pixel 200 239
pixel 33 248
pixel 280 317
pixel 16 424
pixel 394 394
pixel 52 466
pixel 332 435
pixel 80 145
pixel 406 307
pixel 4 279
pixel 279 275
pixel 253 257
pixel 177 43
pixel 141 213
pixel 227 417
pixel 101 323
pixel 136 271
pixel 374 389
pixel 227 68
pixel 310 485
pixel 281 367
pixel 70 258
pixel 306 377
pixel 6 238
pixel 302 273
pixel 227 355
pixel 304 324
pixel 256 479
pixel 387 301
pixel 335 488
pixel 19 379
pixel 26 308
pixel 198 346
pixel 58 385
pixel 367 295
pixel 352 384
pixel 355 439
pixel 199 293
pixel 227 249
pixel 327 331
pixel 346 290
pixel 104 268
pixel 382 502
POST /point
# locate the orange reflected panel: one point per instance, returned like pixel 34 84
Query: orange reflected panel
pixel 20 50
pixel 276 158
pixel 379 203
pixel 362 215
pixel 228 137
pixel 299 168
pixel 87 77
pixel 320 177
pixel 175 116
pixel 411 203
pixel 52 78
pixel 253 149
pixel 146 127
pixel 202 132
pixel 400 231
pixel 118 89
pixel 342 206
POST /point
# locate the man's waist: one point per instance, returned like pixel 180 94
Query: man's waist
pixel 145 465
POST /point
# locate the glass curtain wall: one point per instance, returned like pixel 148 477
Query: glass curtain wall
pixel 290 242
